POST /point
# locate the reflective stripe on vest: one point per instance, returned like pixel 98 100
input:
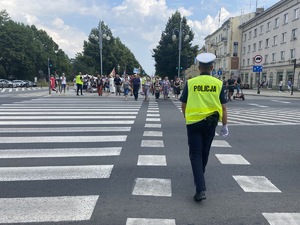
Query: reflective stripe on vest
pixel 203 98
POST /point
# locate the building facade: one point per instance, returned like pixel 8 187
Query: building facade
pixel 271 37
pixel 225 43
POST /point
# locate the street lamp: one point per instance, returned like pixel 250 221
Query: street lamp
pixel 102 34
pixel 174 37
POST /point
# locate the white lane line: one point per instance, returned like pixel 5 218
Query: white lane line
pixel 36 112
pixel 257 105
pixel 147 221
pixel 10 90
pixel 17 89
pixel 63 139
pixel 47 209
pixel 282 218
pixel 153 108
pixel 152 160
pixel 65 109
pixel 154 115
pixel 153 133
pixel 152 111
pixel 63 130
pixel 232 159
pixel 153 119
pixel 4 89
pixel 281 101
pixel 255 184
pixel 55 172
pixel 153 125
pixel 152 187
pixel 59 152
pixel 38 117
pixel 220 143
pixel 64 122
pixel 152 143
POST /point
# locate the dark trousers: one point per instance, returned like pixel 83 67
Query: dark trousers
pixel 200 137
pixel 79 87
pixel 136 91
pixel 157 95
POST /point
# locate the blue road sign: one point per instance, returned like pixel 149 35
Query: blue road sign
pixel 219 72
pixel 257 69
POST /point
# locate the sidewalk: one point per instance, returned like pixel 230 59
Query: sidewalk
pixel 271 93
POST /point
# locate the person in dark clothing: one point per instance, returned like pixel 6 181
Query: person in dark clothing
pixel 136 82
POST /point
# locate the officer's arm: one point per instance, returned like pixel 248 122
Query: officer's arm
pixel 183 99
pixel 224 118
pixel 183 106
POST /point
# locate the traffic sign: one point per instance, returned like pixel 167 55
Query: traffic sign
pixel 219 72
pixel 258 59
pixel 257 69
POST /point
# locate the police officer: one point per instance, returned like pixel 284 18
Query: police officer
pixel 79 83
pixel 203 105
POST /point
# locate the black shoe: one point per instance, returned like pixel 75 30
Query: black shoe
pixel 199 196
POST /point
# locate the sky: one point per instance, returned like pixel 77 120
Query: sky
pixel 138 23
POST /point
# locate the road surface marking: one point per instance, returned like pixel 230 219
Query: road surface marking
pixel 154 115
pixel 232 159
pixel 152 187
pixel 152 143
pixel 220 143
pixel 282 218
pixel 55 172
pixel 146 221
pixel 256 184
pixel 47 209
pixel 63 139
pixel 152 160
pixel 59 152
pixel 64 122
pixel 153 133
pixel 153 119
pixel 63 130
pixel 153 125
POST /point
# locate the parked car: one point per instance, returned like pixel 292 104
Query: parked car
pixel 28 83
pixel 20 83
pixel 6 84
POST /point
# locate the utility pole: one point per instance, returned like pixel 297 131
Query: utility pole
pixel 49 76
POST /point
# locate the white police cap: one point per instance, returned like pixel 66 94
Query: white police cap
pixel 206 58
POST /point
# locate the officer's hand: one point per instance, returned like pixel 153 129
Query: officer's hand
pixel 224 130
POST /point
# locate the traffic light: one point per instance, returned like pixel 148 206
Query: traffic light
pixel 50 63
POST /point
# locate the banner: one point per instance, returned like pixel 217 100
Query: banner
pixel 136 70
pixel 113 73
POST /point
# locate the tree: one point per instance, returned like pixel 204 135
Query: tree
pixel 166 54
pixel 114 53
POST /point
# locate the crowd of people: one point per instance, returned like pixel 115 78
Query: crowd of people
pixel 129 85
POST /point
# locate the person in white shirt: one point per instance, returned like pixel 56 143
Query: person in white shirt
pixel 63 83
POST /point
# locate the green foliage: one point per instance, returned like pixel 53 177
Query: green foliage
pixel 166 54
pixel 24 51
pixel 114 55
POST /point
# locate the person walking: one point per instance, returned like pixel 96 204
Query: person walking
pixel 99 85
pixel 118 83
pixel 280 86
pixel 176 88
pixel 147 87
pixel 79 83
pixel 203 105
pixel 166 87
pixel 136 83
pixel 63 83
pixel 157 89
pixel 126 87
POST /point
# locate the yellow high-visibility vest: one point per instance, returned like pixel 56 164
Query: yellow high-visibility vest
pixel 78 80
pixel 203 98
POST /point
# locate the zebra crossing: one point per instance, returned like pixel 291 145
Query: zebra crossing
pixel 77 125
pixel 23 89
pixel 259 116
pixel 256 184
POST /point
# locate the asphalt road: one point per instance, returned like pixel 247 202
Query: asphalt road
pixel 94 160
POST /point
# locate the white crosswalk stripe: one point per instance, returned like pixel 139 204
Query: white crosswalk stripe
pixel 79 121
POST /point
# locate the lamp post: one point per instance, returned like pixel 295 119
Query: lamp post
pixel 174 37
pixel 102 34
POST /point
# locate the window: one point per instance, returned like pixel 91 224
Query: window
pixel 296 14
pixel 294 34
pixel 250 35
pixel 255 32
pixel 244 50
pixel 276 23
pixel 261 29
pixel 260 44
pixel 285 18
pixel 267 43
pixel 293 52
pixel 275 40
pixel 284 37
pixel 266 58
pixel 268 26
pixel 282 55
pixel 243 62
pixel 245 37
pixel 254 47
pixel 248 62
pixel 273 57
pixel 249 48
